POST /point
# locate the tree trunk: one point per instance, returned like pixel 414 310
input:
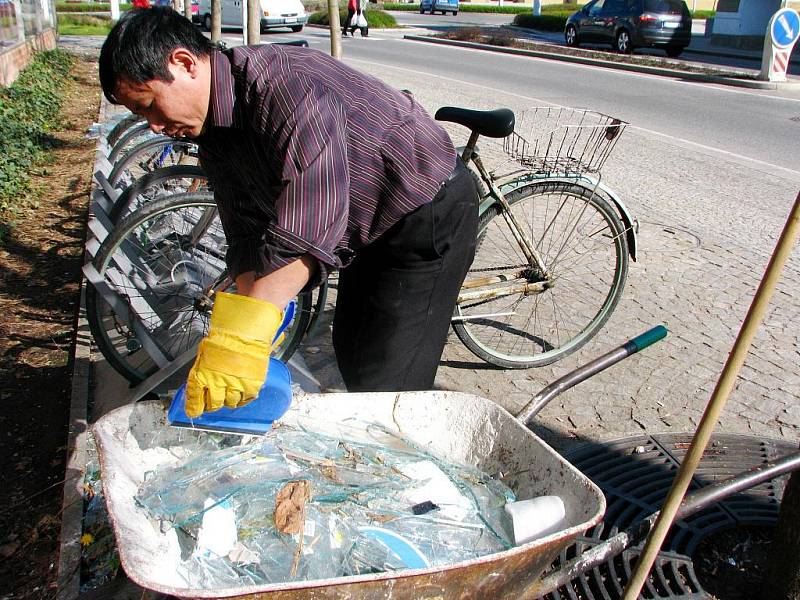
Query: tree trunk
pixel 782 575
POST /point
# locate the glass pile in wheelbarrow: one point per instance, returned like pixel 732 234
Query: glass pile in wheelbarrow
pixel 377 503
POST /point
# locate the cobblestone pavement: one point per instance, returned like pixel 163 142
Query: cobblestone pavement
pixel 708 227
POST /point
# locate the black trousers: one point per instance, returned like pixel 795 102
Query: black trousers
pixel 397 296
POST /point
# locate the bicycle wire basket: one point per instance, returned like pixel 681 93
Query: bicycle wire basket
pixel 562 140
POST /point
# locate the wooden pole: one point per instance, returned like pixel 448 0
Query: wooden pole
pixel 716 403
pixel 216 20
pixel 253 22
pixel 335 29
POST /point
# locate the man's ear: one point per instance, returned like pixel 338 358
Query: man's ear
pixel 184 59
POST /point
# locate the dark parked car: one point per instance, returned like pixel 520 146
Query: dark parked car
pixel 628 24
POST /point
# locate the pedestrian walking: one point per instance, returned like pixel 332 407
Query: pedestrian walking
pixel 352 10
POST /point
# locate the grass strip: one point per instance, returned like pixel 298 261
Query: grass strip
pixel 84 25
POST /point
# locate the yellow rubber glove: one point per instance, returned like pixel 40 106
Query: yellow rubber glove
pixel 233 359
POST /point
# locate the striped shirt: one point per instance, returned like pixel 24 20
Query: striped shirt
pixel 309 156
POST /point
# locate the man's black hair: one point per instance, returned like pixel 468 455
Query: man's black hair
pixel 139 45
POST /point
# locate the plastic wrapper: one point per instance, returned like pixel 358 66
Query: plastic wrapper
pixel 376 503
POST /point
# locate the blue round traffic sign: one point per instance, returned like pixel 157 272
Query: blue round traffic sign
pixel 785 27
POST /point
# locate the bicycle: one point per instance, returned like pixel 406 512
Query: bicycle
pixel 553 242
pixel 541 226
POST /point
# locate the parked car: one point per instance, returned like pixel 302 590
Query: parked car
pixel 443 6
pixel 274 13
pixel 629 24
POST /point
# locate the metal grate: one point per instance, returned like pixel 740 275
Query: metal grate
pixel 635 475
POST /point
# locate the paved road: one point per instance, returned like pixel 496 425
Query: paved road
pixel 710 173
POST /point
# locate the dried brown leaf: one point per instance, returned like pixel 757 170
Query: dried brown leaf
pixel 290 505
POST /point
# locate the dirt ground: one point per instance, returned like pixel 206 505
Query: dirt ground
pixel 39 274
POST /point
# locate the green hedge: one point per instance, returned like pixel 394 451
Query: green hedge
pixel 29 109
pixel 88 7
pixel 377 19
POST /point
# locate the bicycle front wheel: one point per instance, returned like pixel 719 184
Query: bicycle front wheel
pixel 515 316
pixel 164 263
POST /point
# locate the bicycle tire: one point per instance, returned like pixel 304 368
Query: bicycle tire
pixel 526 330
pixel 175 273
pixel 155 152
pixel 162 182
pixel 129 139
pixel 121 127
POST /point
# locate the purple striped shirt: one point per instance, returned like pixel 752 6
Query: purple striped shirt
pixel 309 156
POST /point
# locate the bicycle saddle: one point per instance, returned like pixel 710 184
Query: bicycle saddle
pixel 496 123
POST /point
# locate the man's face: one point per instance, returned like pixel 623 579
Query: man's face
pixel 179 107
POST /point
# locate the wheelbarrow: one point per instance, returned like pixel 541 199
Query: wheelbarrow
pixel 464 427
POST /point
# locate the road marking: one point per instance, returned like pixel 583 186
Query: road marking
pixel 710 149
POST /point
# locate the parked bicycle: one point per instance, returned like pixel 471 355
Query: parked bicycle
pixel 550 266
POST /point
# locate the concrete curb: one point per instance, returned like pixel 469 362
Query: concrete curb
pixel 661 71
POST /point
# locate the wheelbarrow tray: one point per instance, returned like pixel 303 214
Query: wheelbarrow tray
pixel 464 428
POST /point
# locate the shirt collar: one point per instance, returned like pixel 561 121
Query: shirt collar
pixel 222 96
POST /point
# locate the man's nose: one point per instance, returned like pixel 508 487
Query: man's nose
pixel 156 128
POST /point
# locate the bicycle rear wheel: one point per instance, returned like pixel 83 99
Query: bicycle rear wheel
pixel 131 137
pixel 121 127
pixel 165 262
pixel 150 155
pixel 584 248
pixel 161 183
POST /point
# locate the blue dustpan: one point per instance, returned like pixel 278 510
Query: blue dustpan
pixel 254 418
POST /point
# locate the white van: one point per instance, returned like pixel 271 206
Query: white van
pixel 274 13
